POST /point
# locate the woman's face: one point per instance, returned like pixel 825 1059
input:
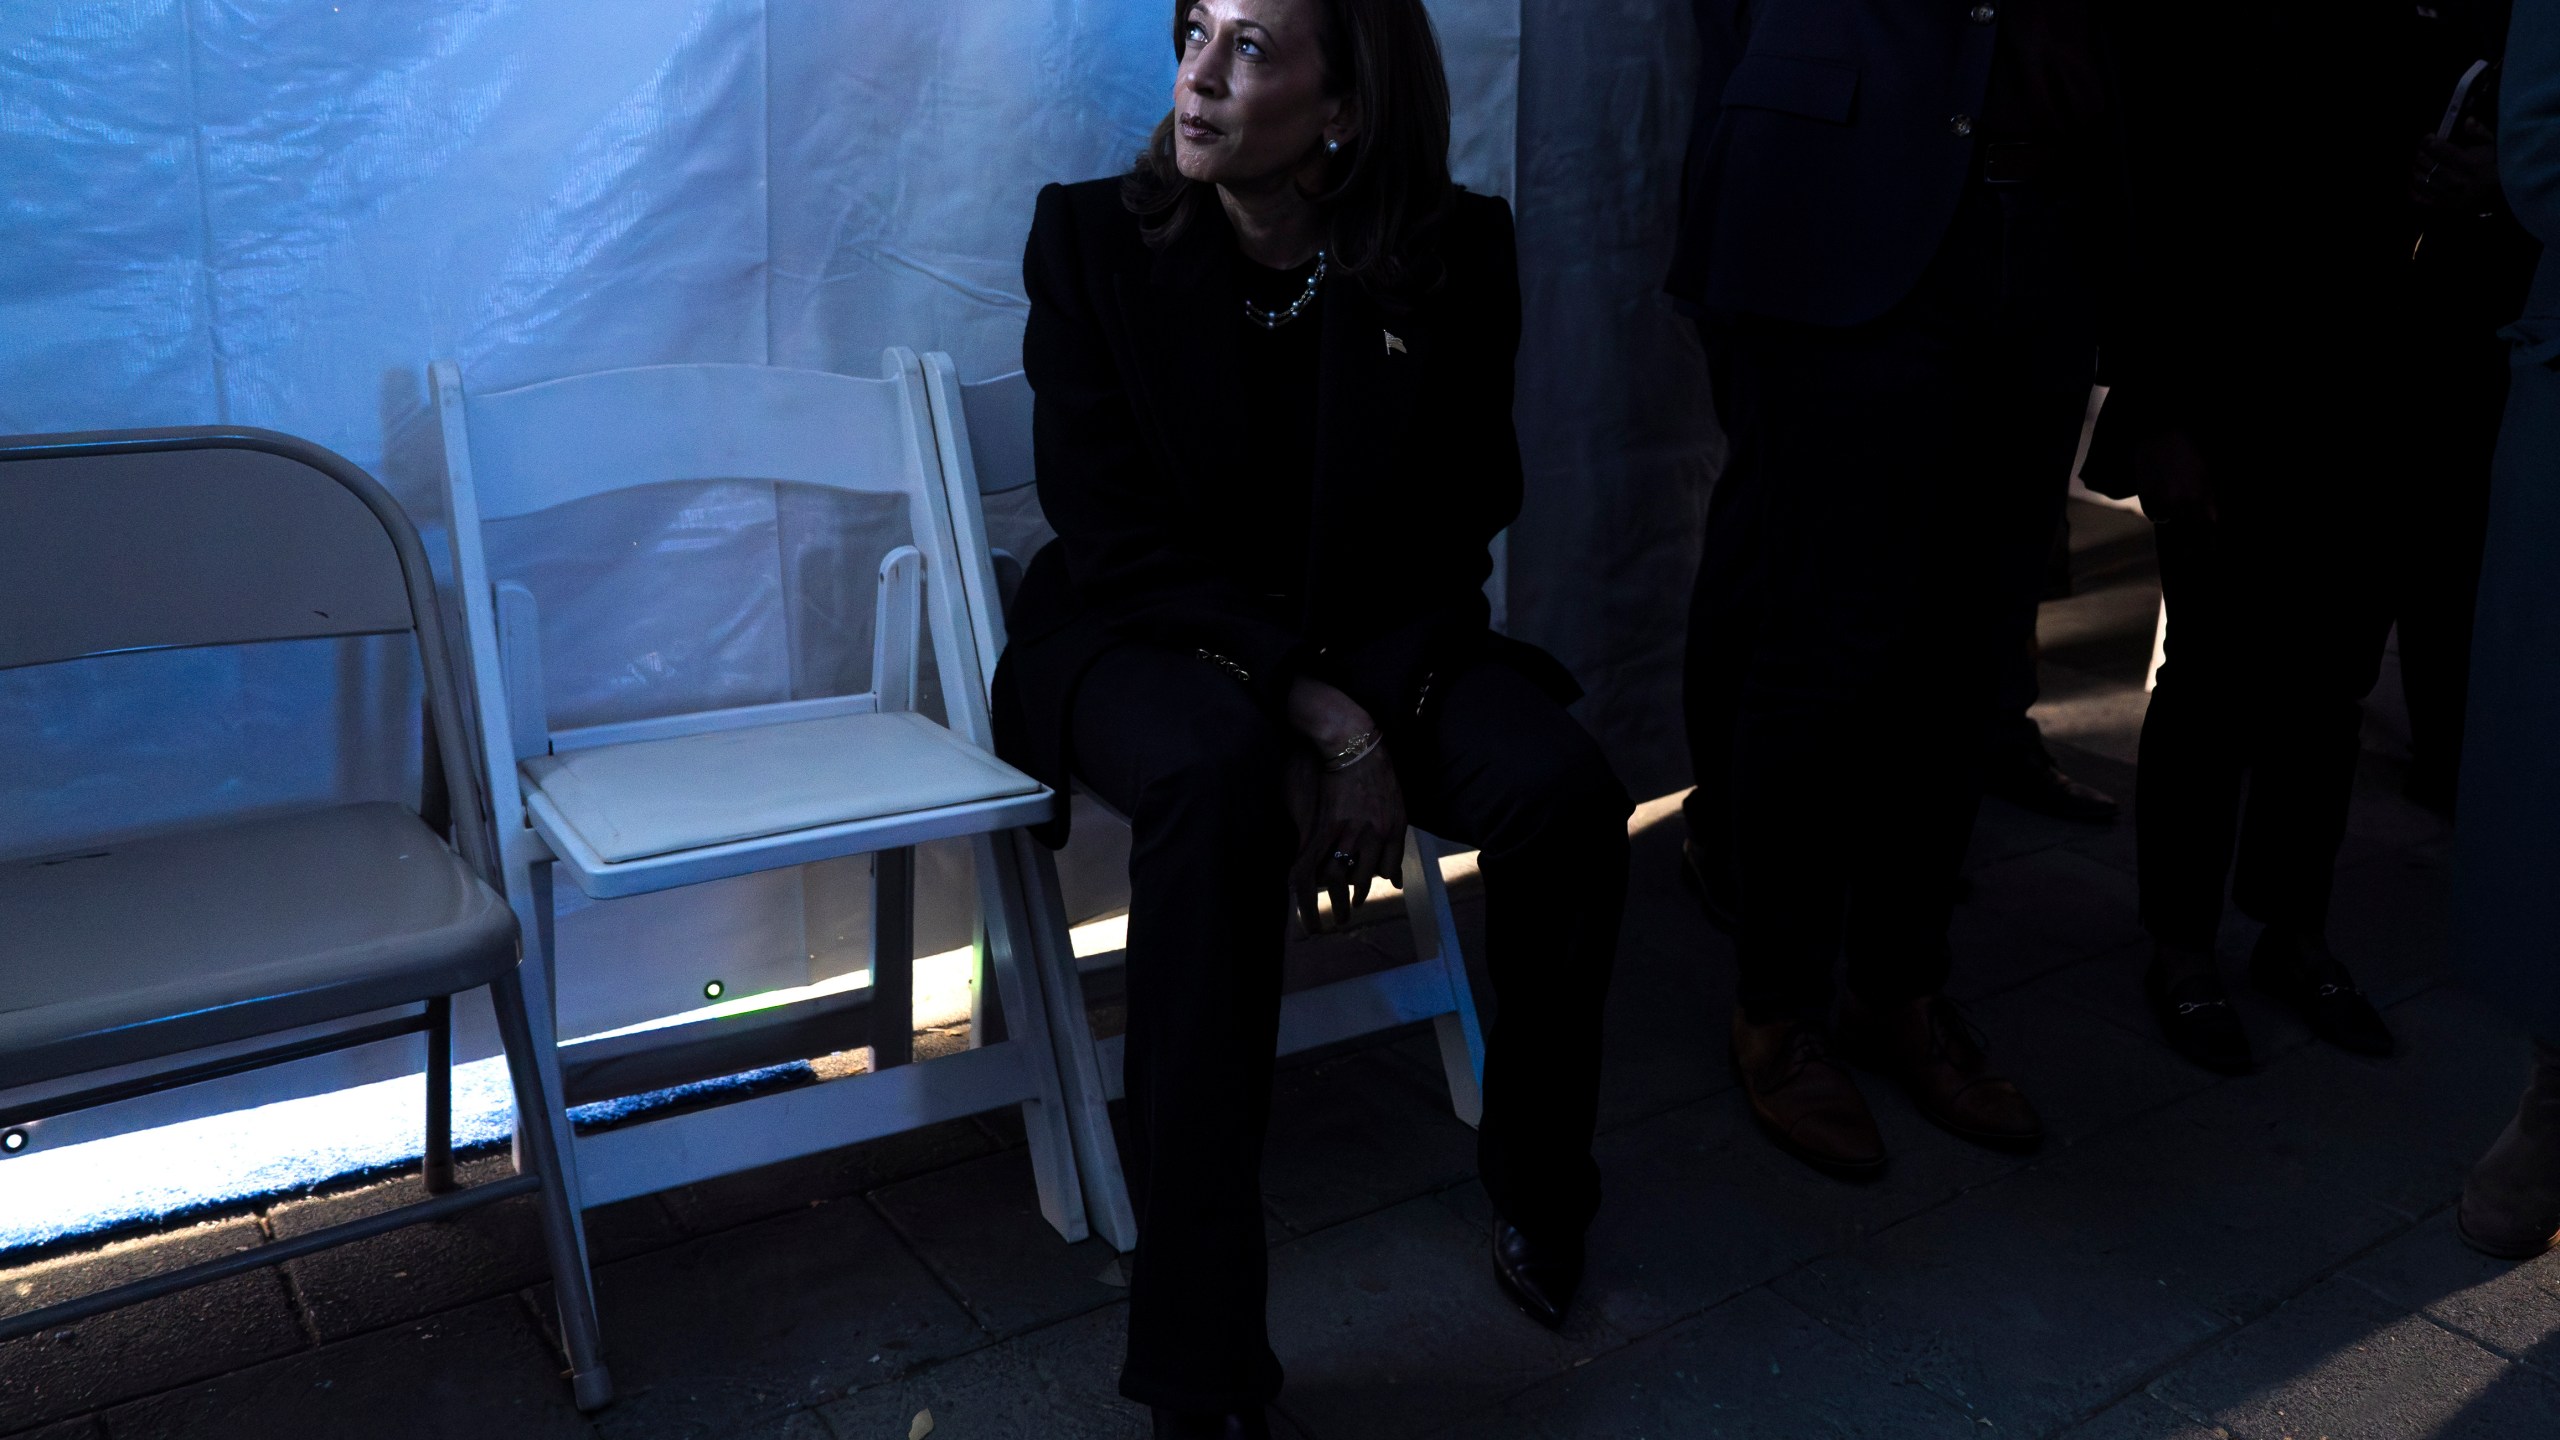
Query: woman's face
pixel 1249 103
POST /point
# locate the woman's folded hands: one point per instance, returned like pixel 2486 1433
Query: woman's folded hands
pixel 1344 796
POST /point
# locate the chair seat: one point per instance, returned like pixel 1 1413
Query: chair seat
pixel 653 798
pixel 149 948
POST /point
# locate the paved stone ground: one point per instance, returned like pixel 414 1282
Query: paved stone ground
pixel 2261 1257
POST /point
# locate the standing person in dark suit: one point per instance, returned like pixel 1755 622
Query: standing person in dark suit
pixel 1892 228
pixel 2470 265
pixel 2506 906
pixel 1273 381
pixel 2263 434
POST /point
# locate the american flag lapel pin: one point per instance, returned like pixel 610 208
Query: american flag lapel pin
pixel 1395 343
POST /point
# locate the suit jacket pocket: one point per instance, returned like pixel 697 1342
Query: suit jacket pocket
pixel 1816 89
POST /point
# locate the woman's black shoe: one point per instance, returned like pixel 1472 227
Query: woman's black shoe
pixel 2195 1014
pixel 1245 1425
pixel 1537 1279
pixel 2301 971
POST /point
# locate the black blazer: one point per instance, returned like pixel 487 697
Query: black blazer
pixel 1824 161
pixel 1131 350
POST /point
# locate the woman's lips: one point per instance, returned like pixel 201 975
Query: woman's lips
pixel 1195 128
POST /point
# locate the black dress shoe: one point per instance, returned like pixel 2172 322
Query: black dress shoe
pixel 2028 779
pixel 1538 1279
pixel 2195 1014
pixel 1242 1425
pixel 2300 970
pixel 1713 882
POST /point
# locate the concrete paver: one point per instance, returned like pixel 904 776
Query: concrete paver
pixel 786 1313
pixel 414 1271
pixel 978 1226
pixel 1357 1133
pixel 479 1371
pixel 1061 1383
pixel 1390 1326
pixel 2002 1312
pixel 733 1200
pixel 2339 1362
pixel 2510 1308
pixel 2141 1417
pixel 146 1348
pixel 1755 1368
pixel 1698 1206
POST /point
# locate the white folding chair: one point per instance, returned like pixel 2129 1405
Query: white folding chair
pixel 649 805
pixel 983 432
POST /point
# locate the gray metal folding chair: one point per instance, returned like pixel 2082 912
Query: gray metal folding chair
pixel 137 966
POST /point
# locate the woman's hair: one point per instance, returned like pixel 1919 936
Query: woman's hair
pixel 1389 186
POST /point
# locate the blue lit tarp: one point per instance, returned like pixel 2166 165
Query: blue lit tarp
pixel 277 212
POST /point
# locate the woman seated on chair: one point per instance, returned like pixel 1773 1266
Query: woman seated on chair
pixel 1272 370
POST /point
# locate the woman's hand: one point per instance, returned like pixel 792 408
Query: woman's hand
pixel 1350 821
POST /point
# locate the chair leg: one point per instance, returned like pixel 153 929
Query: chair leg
pixel 439 1149
pixel 1435 936
pixel 1088 1112
pixel 542 1005
pixel 542 1134
pixel 893 958
pixel 1012 961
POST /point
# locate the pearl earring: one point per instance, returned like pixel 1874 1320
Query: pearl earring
pixel 1333 147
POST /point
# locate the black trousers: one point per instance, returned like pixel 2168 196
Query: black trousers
pixel 1889 503
pixel 2014 734
pixel 1182 750
pixel 2277 615
pixel 2457 391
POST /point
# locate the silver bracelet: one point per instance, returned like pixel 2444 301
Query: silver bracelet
pixel 1356 750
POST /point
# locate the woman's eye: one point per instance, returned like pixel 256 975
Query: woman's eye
pixel 1193 33
pixel 1249 47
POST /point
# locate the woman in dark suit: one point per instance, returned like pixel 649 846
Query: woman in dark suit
pixel 1273 370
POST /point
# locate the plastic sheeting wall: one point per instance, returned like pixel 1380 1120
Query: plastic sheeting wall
pixel 1615 424
pixel 276 212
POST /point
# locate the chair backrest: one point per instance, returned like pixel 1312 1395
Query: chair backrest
pixel 983 431
pixel 542 445
pixel 515 452
pixel 999 416
pixel 114 541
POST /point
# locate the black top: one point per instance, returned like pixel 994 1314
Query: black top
pixel 1830 144
pixel 1274 419
pixel 1147 432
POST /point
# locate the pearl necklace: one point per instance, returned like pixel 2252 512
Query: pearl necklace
pixel 1274 319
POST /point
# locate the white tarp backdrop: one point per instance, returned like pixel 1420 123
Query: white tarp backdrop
pixel 1615 427
pixel 276 212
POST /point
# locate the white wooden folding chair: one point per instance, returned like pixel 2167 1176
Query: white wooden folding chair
pixel 650 805
pixel 983 432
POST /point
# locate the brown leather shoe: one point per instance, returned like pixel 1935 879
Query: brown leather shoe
pixel 1804 1099
pixel 2511 1200
pixel 1929 1049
